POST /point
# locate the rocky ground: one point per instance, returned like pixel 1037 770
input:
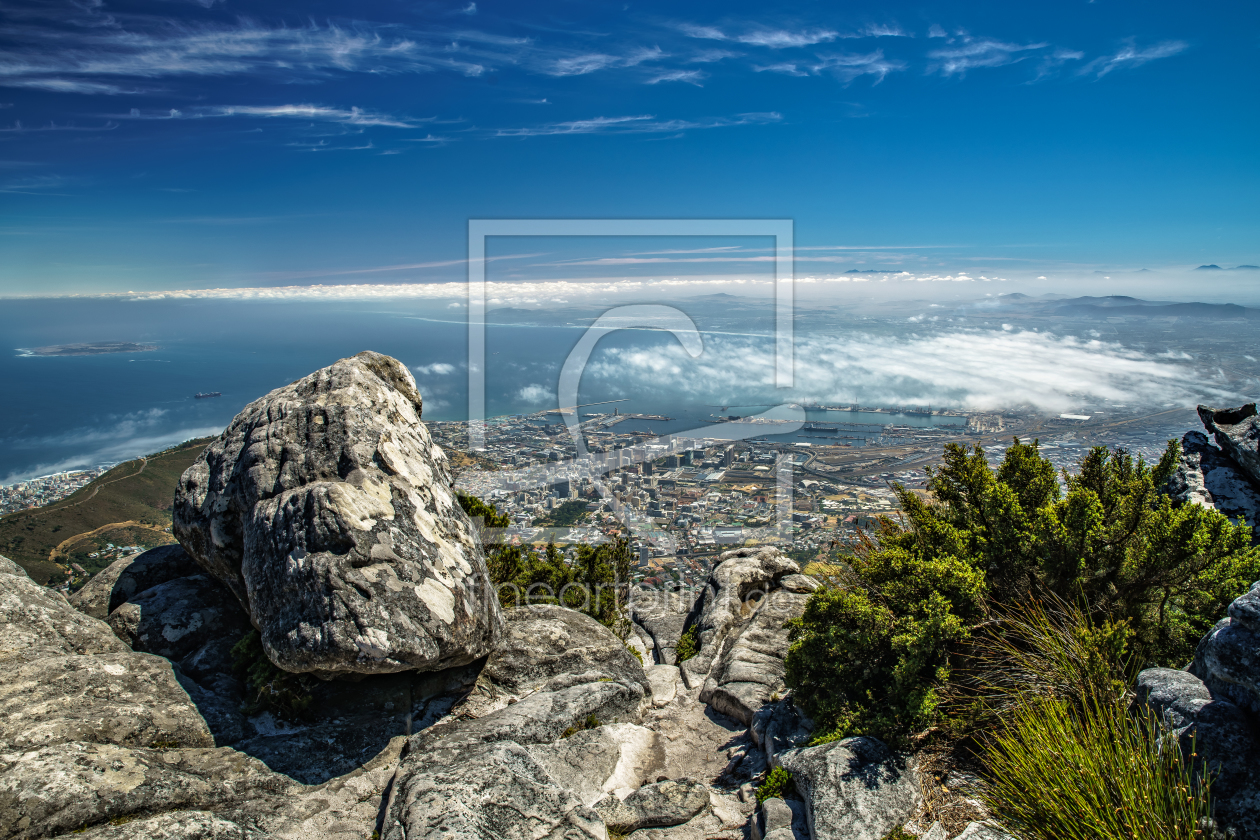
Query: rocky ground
pixel 321 527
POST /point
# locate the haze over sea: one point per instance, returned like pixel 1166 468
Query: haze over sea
pixel 943 349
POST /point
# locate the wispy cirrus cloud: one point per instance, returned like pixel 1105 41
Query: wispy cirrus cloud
pixel 641 124
pixel 844 66
pixel 1131 55
pixel 691 77
pixel 580 65
pixel 983 52
pixel 762 36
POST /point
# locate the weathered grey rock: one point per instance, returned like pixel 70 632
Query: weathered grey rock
pixel 664 680
pixel 612 759
pixel 8 567
pixel 1237 432
pixel 114 585
pixel 772 815
pixel 326 508
pixel 1206 476
pixel 39 623
pixel 800 584
pixel 750 670
pixel 494 791
pixel 936 831
pixel 176 619
pixel 544 716
pixel 61 788
pixel 1218 733
pixel 651 806
pixel 1228 658
pixel 739 582
pixel 662 615
pixel 130 699
pixel 983 831
pixel 855 789
pixel 780 726
pixel 546 647
pixel 182 825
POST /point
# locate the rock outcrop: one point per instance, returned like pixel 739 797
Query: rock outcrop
pixel 326 508
pixel 652 806
pixel 1207 476
pixel 854 789
pixel 750 670
pixel 661 614
pixel 1237 433
pixel 737 585
pixel 1213 708
pixel 113 586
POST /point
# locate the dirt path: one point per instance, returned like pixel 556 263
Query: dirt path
pixel 52 555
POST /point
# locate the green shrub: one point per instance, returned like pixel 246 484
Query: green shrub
pixel 596 582
pixel 688 644
pixel 778 783
pixel 876 645
pixel 1096 772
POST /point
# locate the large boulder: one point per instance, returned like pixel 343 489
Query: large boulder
pixel 1206 476
pixel 854 789
pixel 490 791
pixel 736 586
pixel 1228 658
pixel 115 584
pixel 750 670
pixel 1237 432
pixel 326 508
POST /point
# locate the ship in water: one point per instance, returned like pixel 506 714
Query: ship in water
pixel 207 395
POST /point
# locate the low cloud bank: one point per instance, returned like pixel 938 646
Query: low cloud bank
pixel 972 370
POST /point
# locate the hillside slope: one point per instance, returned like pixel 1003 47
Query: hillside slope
pixel 129 505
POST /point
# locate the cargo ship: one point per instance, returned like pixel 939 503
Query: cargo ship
pixel 207 395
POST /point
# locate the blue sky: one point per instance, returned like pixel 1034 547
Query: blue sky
pixel 191 145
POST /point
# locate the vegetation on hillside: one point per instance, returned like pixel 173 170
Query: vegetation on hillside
pixel 566 515
pixel 595 581
pixel 872 653
pixel 135 496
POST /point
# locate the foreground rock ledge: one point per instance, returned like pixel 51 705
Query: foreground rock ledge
pixel 326 508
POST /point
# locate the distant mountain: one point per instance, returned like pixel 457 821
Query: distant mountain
pixel 1209 268
pixel 1246 268
pixel 872 271
pixel 1123 305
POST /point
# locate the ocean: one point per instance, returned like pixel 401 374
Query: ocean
pixel 66 412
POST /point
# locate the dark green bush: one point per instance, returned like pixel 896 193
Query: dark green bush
pixel 596 582
pixel 778 783
pixel 688 644
pixel 872 651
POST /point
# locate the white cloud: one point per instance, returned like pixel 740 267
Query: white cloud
pixel 693 77
pixel 580 65
pixel 640 124
pixel 974 370
pixel 435 369
pixel 844 66
pixel 129 438
pixel 317 113
pixel 1132 56
pixel 780 38
pixel 985 52
pixel 534 394
pixel 936 31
